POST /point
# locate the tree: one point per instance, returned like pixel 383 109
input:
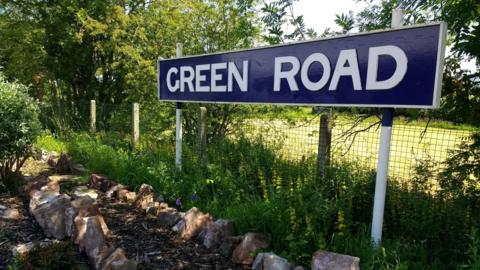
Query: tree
pixel 107 50
pixel 19 126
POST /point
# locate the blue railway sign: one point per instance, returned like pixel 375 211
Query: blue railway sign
pixel 397 68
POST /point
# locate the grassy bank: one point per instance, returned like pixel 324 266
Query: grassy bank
pixel 246 182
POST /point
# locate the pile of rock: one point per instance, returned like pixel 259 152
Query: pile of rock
pixel 61 216
pixel 216 234
pixel 77 217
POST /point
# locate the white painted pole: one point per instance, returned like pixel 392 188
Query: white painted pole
pixel 93 116
pixel 178 123
pixel 135 124
pixel 383 158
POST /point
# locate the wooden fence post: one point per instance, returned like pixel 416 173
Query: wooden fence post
pixel 93 116
pixel 202 135
pixel 135 124
pixel 324 144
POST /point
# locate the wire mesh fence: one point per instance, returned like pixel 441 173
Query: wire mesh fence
pixel 411 144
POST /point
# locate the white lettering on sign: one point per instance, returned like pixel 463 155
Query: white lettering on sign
pixel 172 88
pixel 347 65
pixel 221 77
pixel 201 78
pixel 287 68
pixel 323 60
pixel 186 79
pixel 401 61
pixel 289 75
pixel 195 79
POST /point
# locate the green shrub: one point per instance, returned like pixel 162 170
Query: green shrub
pixel 19 126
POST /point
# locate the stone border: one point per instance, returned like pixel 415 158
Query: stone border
pixel 86 226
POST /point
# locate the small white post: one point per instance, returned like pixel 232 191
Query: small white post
pixel 135 124
pixel 93 116
pixel 178 123
pixel 202 135
pixel 383 158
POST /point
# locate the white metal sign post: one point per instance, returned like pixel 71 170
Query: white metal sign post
pixel 178 122
pixel 383 157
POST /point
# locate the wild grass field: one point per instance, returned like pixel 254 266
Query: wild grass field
pixel 412 143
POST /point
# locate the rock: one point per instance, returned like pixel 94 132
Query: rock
pixel 124 265
pixel 112 192
pixel 229 244
pixel 38 197
pixel 52 213
pixel 10 214
pixel 40 154
pixel 214 234
pixel 100 182
pixel 126 195
pixel 35 185
pixel 324 260
pixel 85 207
pixel 46 156
pixel 251 243
pixel 90 211
pixel 70 214
pixel 145 196
pixel 100 256
pixel 118 260
pixel 83 191
pixel 51 186
pixel 54 181
pixel 90 235
pixel 152 208
pixel 117 254
pixel 179 226
pixel 21 249
pixel 168 216
pixel 299 268
pixel 52 161
pixel 78 169
pixel 195 222
pixel 83 202
pixel 160 198
pixel 163 205
pixel 61 178
pixel 3 207
pixel 270 261
pixel 63 164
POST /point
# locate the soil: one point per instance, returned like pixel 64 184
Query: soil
pixel 152 245
pixel 156 246
pixel 22 229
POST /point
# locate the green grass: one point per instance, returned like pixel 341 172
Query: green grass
pixel 300 113
pixel 247 182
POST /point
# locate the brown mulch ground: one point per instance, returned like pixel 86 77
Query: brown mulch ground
pixel 152 245
pixel 156 246
pixel 16 231
pixel 23 229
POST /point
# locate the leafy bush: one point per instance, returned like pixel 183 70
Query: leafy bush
pixel 19 126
